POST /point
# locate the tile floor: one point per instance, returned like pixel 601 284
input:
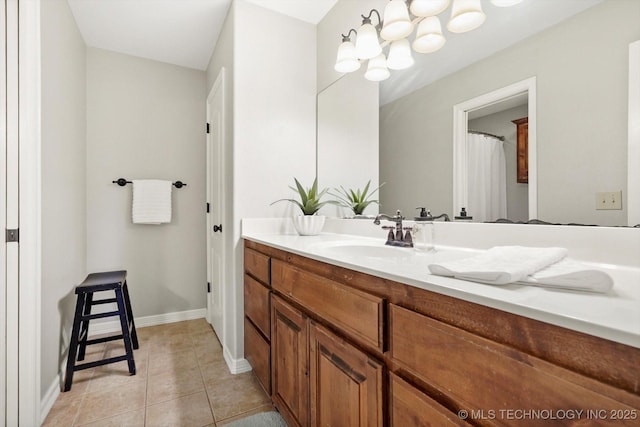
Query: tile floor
pixel 181 380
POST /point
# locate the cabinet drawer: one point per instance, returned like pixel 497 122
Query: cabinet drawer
pixel 258 265
pixel 482 375
pixel 256 304
pixel 258 354
pixel 411 407
pixel 355 312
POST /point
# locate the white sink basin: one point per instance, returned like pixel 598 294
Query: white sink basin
pixel 362 249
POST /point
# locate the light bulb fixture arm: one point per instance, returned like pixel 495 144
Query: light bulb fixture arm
pixel 347 38
pixel 367 19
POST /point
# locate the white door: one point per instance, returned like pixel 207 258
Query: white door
pixel 3 219
pixel 215 200
pixel 9 260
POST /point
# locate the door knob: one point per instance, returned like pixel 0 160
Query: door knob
pixel 217 228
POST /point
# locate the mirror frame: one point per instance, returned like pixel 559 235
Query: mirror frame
pixel 633 153
pixel 460 127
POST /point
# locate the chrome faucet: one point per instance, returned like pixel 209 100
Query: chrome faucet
pixel 396 236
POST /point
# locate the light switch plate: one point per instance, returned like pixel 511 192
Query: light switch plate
pixel 609 200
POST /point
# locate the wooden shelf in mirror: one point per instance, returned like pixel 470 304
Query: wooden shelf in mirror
pixel 522 149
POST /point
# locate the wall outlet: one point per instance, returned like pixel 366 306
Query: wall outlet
pixel 609 200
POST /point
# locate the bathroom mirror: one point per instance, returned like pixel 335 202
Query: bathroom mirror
pixel 582 71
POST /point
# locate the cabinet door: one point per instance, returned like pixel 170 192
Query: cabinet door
pixel 345 383
pixel 289 378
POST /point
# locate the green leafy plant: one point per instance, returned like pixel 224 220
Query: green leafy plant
pixel 310 198
pixel 357 200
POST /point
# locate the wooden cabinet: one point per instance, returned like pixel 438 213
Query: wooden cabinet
pixel 345 383
pixel 479 374
pixel 522 149
pixel 350 349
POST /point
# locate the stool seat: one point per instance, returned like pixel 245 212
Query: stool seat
pixel 115 281
pixel 107 279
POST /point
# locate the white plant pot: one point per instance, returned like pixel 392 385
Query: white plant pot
pixel 308 225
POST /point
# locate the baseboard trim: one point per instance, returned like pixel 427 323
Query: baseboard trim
pixel 236 366
pixel 159 319
pixel 49 398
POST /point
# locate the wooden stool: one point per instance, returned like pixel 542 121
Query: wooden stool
pixel 99 282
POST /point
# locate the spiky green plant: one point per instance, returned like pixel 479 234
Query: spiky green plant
pixel 310 199
pixel 357 200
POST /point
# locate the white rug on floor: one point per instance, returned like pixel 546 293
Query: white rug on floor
pixel 262 419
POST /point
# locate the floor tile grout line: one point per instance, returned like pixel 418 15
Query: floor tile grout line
pixel 204 383
pixel 86 389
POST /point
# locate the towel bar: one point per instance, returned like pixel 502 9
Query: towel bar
pixel 122 182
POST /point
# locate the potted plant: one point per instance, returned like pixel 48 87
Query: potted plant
pixel 308 224
pixel 357 200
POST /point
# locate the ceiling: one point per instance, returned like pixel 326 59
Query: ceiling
pixel 180 32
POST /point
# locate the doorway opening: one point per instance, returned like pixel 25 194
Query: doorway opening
pixel 510 97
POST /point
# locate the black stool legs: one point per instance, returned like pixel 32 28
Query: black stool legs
pixel 100 282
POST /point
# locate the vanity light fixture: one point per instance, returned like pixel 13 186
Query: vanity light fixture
pixel 466 15
pixel 367 44
pixel 347 61
pixel 400 19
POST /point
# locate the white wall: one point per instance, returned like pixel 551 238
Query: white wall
pixel 275 117
pixel 63 116
pixel 347 142
pixel 274 88
pixel 146 120
pixel 582 85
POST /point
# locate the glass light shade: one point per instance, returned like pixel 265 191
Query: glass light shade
pixel 347 60
pixel 428 7
pixel 429 36
pixel 377 69
pixel 397 24
pixel 466 15
pixel 505 3
pixel 400 55
pixel 367 45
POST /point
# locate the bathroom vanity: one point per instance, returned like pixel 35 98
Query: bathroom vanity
pixel 336 343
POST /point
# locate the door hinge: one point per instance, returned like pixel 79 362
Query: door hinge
pixel 207 207
pixel 208 128
pixel 13 235
pixel 208 287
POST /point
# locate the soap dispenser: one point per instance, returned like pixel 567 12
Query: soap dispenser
pixel 463 216
pixel 423 231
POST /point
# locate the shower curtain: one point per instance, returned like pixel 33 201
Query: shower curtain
pixel 487 186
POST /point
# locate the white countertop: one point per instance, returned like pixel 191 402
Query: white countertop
pixel 614 316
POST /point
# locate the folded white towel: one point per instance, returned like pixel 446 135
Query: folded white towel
pixel 151 201
pixel 500 265
pixel 571 274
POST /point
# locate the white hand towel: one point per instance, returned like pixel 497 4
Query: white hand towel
pixel 151 201
pixel 571 274
pixel 500 265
